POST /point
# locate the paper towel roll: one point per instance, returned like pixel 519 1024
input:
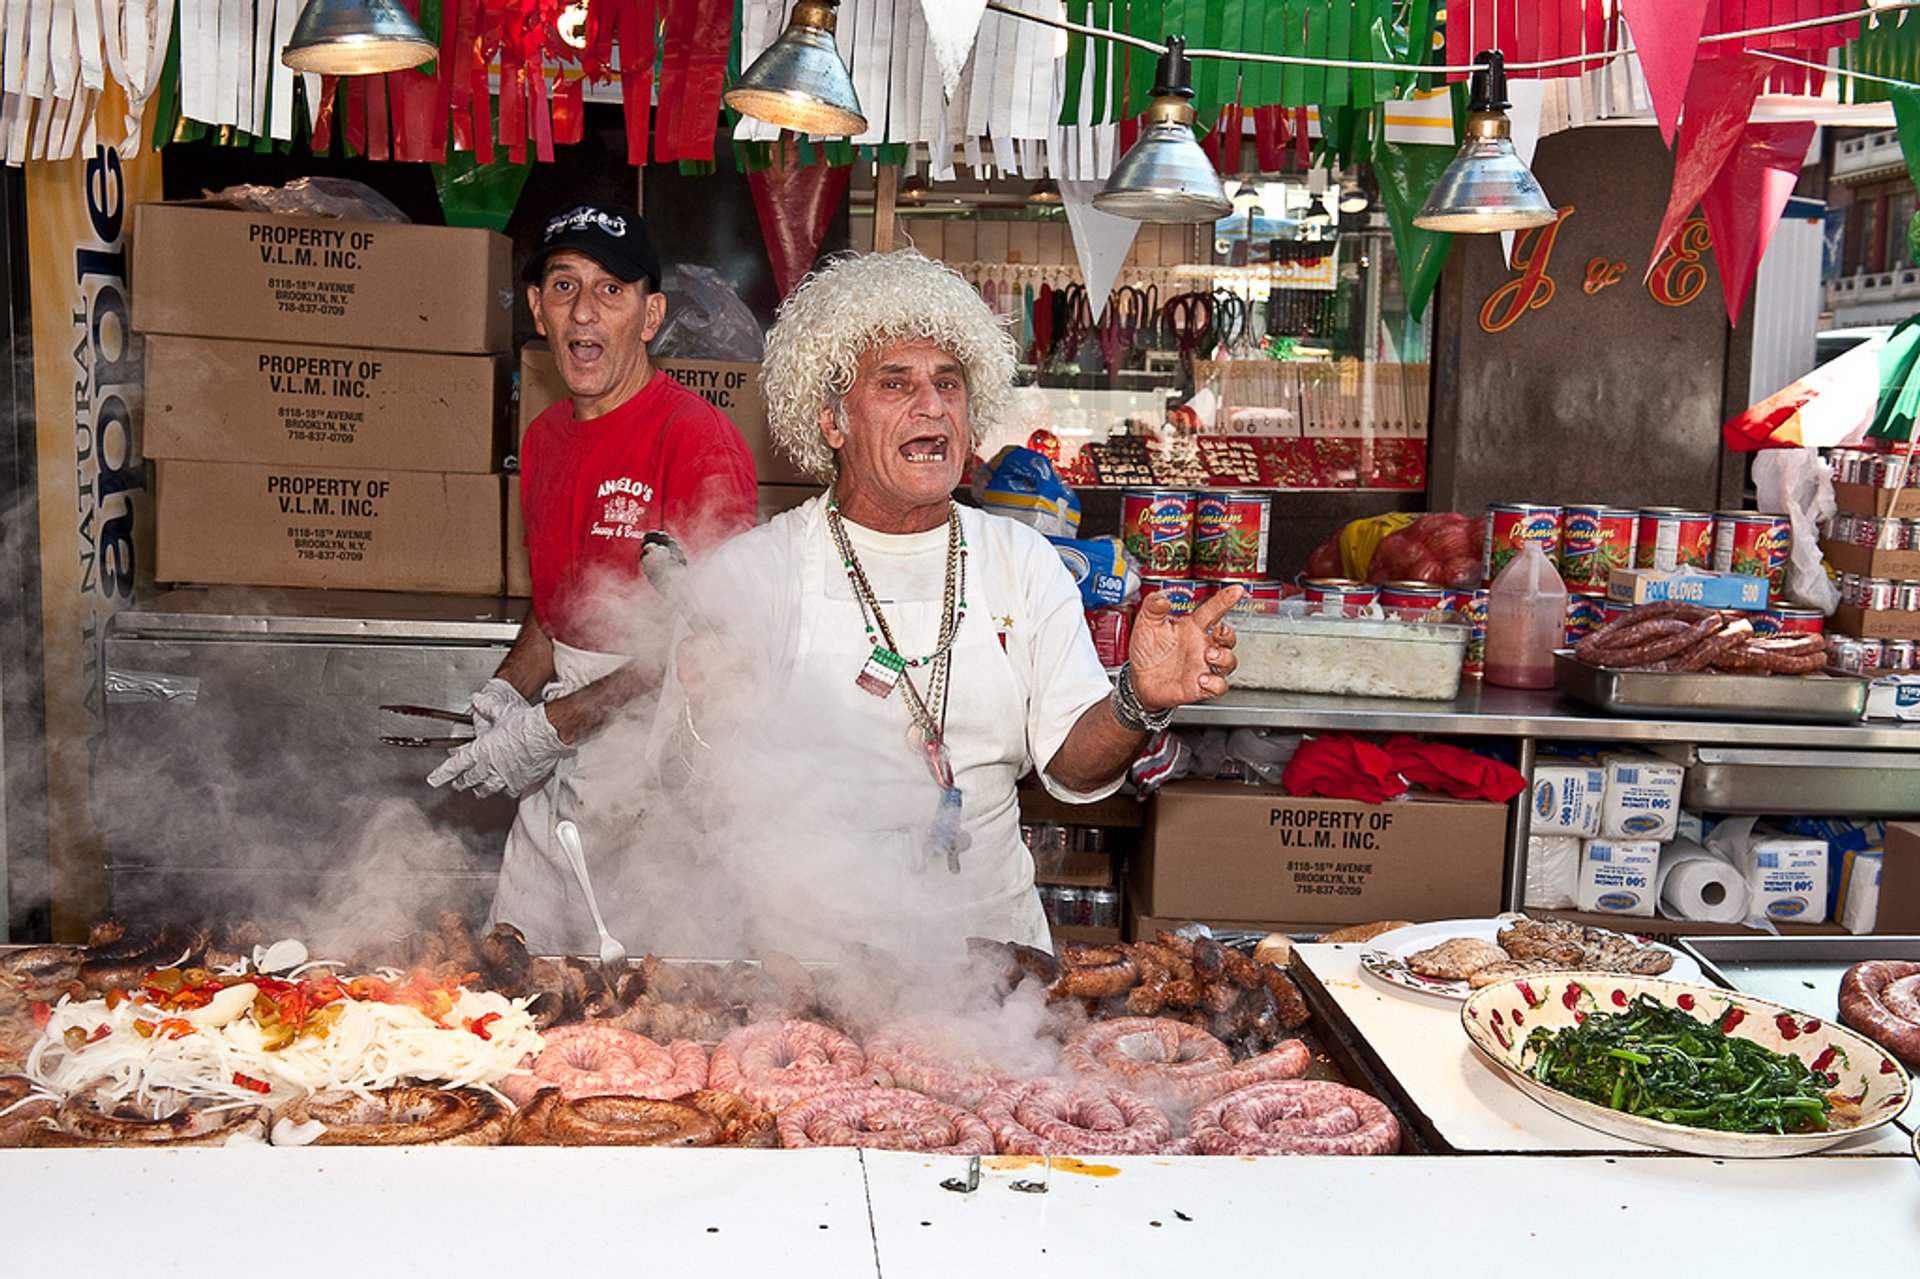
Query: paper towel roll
pixel 1695 884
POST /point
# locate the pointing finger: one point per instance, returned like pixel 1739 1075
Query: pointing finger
pixel 1216 606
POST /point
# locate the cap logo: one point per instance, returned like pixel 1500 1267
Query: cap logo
pixel 581 219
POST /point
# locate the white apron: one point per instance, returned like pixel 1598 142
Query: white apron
pixel 842 852
pixel 594 787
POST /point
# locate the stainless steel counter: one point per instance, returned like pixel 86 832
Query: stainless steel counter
pixel 1484 710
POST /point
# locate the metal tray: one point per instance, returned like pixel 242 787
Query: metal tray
pixel 1801 972
pixel 1806 782
pixel 1799 699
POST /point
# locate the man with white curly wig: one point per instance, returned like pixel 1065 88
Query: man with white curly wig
pixel 914 657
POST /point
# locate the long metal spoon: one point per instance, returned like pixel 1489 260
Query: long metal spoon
pixel 612 953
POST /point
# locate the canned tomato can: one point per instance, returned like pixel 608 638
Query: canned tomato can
pixel 1230 534
pixel 1112 628
pixel 1669 537
pixel 1595 540
pixel 1613 610
pixel 1805 621
pixel 1584 615
pixel 1412 599
pixel 1475 610
pixel 1765 622
pixel 1752 545
pixel 1338 595
pixel 1511 525
pixel 1258 597
pixel 1156 529
pixel 1180 590
pixel 1878 593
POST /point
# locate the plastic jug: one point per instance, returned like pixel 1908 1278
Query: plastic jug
pixel 1526 621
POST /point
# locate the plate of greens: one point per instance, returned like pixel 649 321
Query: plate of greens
pixel 1682 1066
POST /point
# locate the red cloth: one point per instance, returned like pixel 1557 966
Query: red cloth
pixel 1343 768
pixel 1451 770
pixel 664 459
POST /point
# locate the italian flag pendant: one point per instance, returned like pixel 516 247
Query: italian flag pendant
pixel 881 672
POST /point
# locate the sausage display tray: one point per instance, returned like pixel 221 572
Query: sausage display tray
pixel 1793 699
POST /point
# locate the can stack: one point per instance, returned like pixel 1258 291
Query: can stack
pixel 1873 543
pixel 1190 543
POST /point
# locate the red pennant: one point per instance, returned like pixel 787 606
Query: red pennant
pixel 795 203
pixel 378 130
pixel 1667 35
pixel 1719 96
pixel 638 19
pixel 569 112
pixel 323 115
pixel 356 130
pixel 1743 205
pixel 693 72
pixel 1270 138
pixel 1302 144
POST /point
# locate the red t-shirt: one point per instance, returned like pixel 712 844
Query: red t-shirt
pixel 664 459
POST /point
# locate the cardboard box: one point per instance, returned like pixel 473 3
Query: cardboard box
pixel 1868 499
pixel 1122 808
pixel 1870 562
pixel 1221 850
pixel 1900 880
pixel 1692 586
pixel 1074 869
pixel 731 387
pixel 218 400
pixel 1876 623
pixel 519 570
pixel 203 270
pixel 219 522
pixel 1142 925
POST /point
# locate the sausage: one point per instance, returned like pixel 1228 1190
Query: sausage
pixel 1294 1117
pixel 1602 645
pixel 1036 1118
pixel 1291 1005
pixel 553 1120
pixel 1612 634
pixel 933 1057
pixel 400 1116
pixel 777 1063
pixel 24 1110
pixel 1090 971
pixel 1704 654
pixel 1666 646
pixel 90 1118
pixel 1881 999
pixel 884 1119
pixel 741 1122
pixel 1158 1056
pixel 586 1060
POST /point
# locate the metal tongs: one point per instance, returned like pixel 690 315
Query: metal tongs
pixel 428 712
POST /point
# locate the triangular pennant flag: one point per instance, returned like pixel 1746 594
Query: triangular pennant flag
pixel 1666 34
pixel 1899 405
pixel 795 202
pixel 951 28
pixel 1526 98
pixel 1906 120
pixel 1719 98
pixel 1406 175
pixel 1100 240
pixel 1743 205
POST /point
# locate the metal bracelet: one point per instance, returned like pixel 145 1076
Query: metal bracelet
pixel 1128 710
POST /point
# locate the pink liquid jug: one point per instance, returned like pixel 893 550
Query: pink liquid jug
pixel 1526 621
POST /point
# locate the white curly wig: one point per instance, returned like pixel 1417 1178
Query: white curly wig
pixel 855 303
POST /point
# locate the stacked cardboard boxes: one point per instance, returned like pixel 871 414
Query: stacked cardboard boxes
pixel 326 399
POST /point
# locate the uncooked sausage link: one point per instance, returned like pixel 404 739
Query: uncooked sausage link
pixel 1037 1118
pixel 1881 999
pixel 884 1119
pixel 1294 1117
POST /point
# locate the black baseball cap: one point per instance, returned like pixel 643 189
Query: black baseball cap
pixel 614 237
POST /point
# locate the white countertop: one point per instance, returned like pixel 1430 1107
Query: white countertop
pixel 1418 1039
pixel 846 1213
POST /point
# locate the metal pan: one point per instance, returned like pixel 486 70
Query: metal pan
pixel 1793 699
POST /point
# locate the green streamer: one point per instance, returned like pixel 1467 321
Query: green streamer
pixel 1339 80
pixel 1293 77
pixel 1207 98
pixel 1102 57
pixel 1899 401
pixel 1150 22
pixel 1407 175
pixel 1076 63
pixel 1318 22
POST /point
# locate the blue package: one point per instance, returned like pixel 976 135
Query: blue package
pixel 1844 838
pixel 1023 485
pixel 1098 566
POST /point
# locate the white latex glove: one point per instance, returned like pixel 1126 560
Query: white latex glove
pixel 494 700
pixel 515 754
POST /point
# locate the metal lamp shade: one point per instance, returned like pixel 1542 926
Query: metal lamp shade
pixel 356 37
pixel 1486 188
pixel 799 82
pixel 1166 177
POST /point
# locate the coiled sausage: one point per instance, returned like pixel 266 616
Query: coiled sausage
pixel 884 1119
pixel 1294 1117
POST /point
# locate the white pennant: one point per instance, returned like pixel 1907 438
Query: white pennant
pixel 951 28
pixel 1100 240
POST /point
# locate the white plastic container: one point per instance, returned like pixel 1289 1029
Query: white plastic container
pixel 1302 652
pixel 1526 621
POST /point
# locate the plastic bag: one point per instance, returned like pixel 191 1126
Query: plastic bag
pixel 1797 484
pixel 1099 568
pixel 1023 485
pixel 314 198
pixel 706 320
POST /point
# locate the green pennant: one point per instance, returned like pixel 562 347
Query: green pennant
pixel 1899 385
pixel 1076 63
pixel 1407 175
pixel 479 195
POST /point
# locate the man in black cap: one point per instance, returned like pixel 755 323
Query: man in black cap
pixel 629 451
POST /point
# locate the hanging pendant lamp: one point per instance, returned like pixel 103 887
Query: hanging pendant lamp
pixel 356 37
pixel 799 81
pixel 1166 177
pixel 1486 187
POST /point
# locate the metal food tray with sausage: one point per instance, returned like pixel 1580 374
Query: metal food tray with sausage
pixel 1309 652
pixel 1800 699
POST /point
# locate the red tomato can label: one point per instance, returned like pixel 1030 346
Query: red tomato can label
pixel 1583 615
pixel 1156 529
pixel 1230 535
pixel 1595 540
pixel 1180 590
pixel 1752 545
pixel 1475 608
pixel 1670 537
pixel 1112 628
pixel 1511 525
pixel 1412 599
pixel 1258 597
pixel 1338 595
pixel 1809 621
